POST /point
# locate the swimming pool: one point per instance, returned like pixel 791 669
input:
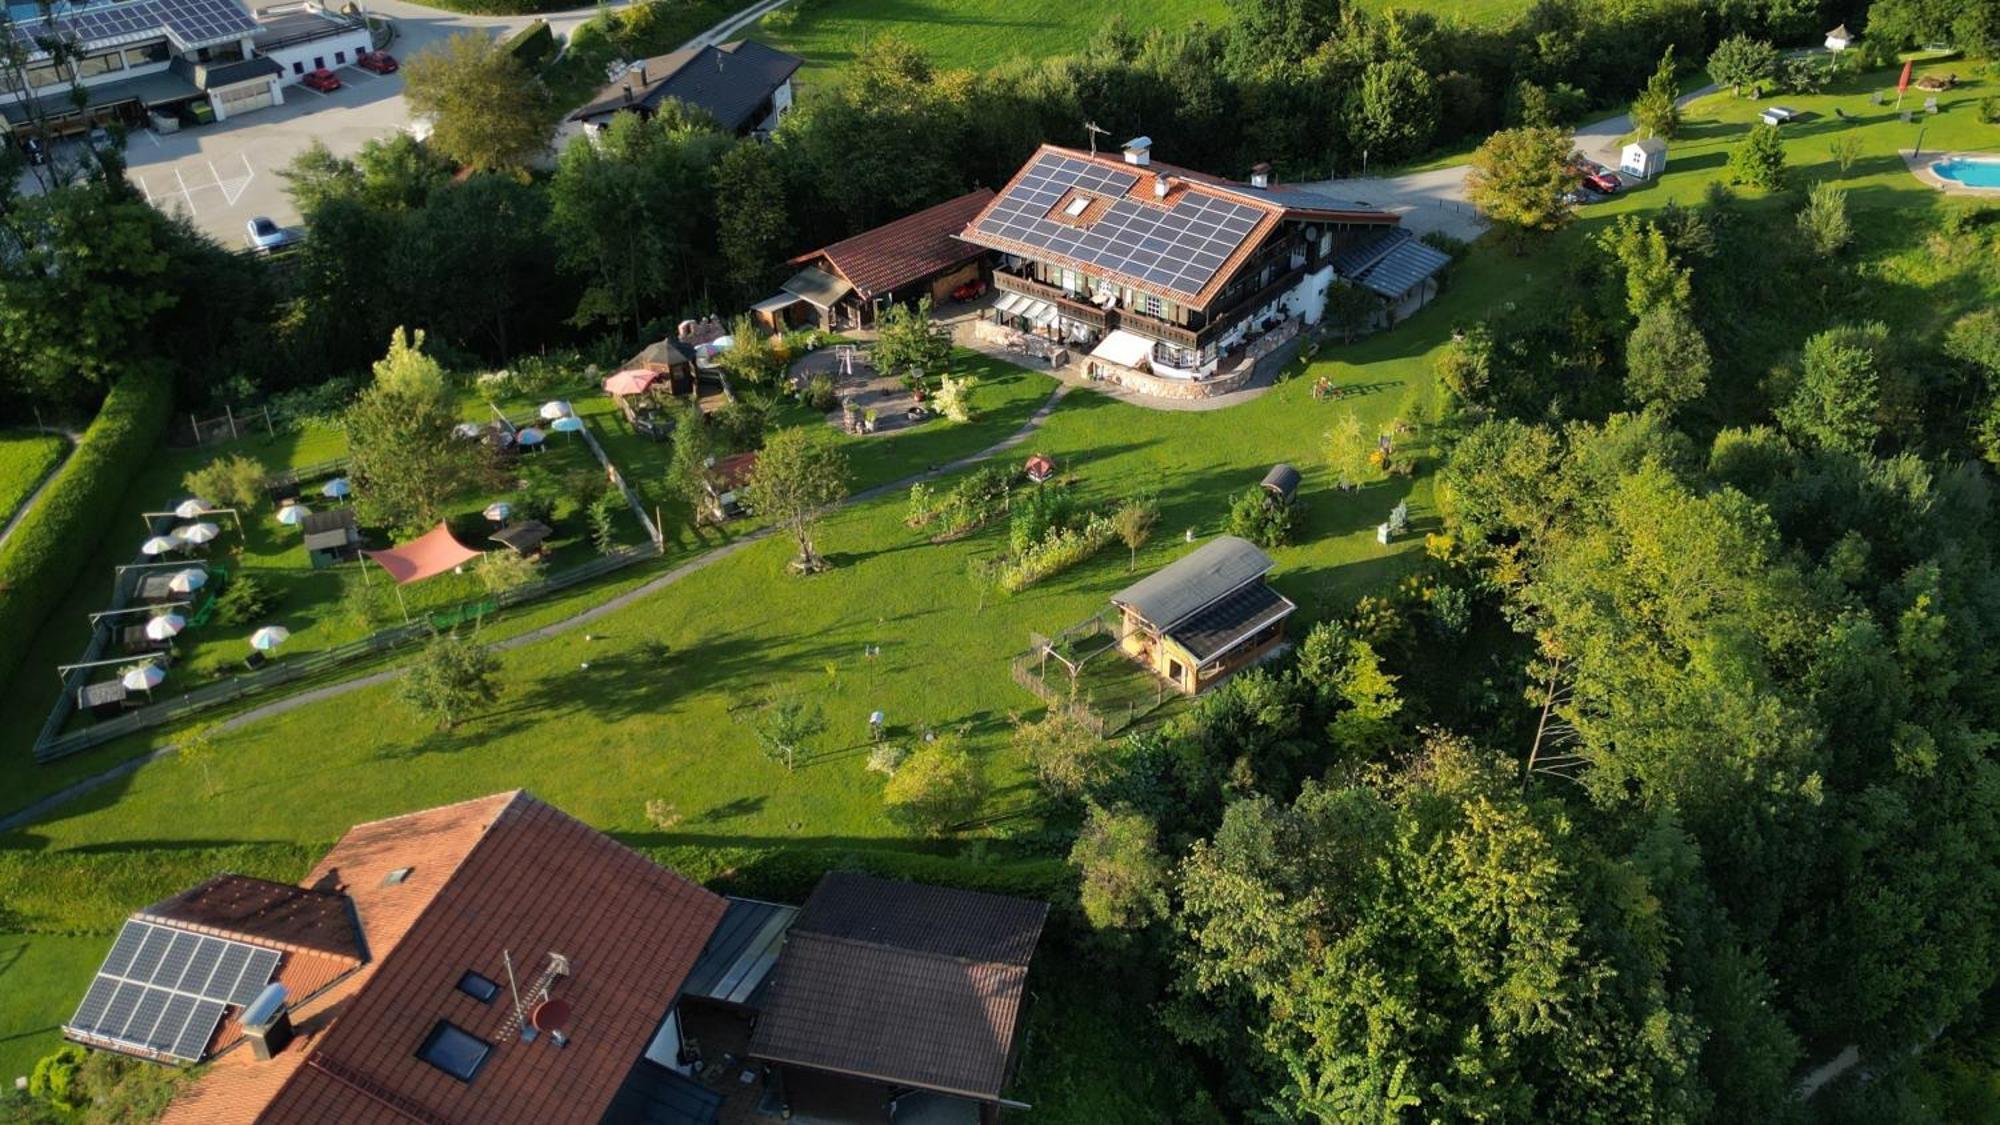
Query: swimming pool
pixel 1971 171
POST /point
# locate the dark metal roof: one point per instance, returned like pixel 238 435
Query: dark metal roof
pixel 523 536
pixel 1311 201
pixel 660 353
pixel 330 519
pixel 1390 263
pixel 1283 479
pixel 817 286
pixel 1236 618
pixel 945 921
pixel 741 953
pixel 229 74
pixel 259 910
pixel 730 82
pixel 1195 581
pixel 905 984
pixel 149 89
pixel 655 1095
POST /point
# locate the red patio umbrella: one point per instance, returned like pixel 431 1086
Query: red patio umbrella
pixel 631 382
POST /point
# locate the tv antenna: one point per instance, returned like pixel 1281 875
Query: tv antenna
pixel 1091 128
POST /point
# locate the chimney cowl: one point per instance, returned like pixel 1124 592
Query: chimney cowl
pixel 642 72
pixel 1162 184
pixel 1139 151
pixel 1260 174
pixel 628 91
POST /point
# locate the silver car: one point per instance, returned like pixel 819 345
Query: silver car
pixel 266 236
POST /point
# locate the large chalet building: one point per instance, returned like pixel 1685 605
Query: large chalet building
pixel 1179 281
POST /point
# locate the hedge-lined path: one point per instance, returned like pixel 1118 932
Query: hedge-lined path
pixel 34 812
pixel 28 502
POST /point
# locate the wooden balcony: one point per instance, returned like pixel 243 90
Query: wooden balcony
pixel 1081 312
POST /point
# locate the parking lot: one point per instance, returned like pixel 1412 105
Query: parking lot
pixel 223 175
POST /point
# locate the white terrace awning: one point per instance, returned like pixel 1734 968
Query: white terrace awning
pixel 1126 349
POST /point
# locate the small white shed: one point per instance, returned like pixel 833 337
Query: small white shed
pixel 1839 39
pixel 1644 158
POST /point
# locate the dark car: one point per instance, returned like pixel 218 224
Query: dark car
pixel 33 150
pixel 969 291
pixel 376 62
pixel 323 80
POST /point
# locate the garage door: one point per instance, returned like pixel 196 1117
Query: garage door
pixel 244 98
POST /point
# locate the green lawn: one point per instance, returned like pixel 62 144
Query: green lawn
pixel 966 33
pixel 25 460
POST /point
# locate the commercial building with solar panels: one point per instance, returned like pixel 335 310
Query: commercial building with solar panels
pixel 158 63
pixel 1177 282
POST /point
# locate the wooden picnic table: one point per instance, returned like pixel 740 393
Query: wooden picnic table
pixel 100 699
pixel 133 638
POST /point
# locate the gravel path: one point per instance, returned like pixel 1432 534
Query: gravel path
pixel 53 801
pixel 28 503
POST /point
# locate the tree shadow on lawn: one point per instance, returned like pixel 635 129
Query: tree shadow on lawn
pixel 730 810
pixel 1323 592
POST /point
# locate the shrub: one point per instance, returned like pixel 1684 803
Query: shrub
pixel 604 522
pixel 937 787
pixel 954 396
pixel 452 676
pixel 532 43
pixel 242 601
pixel 37 564
pixel 820 394
pixel 1989 110
pixel 1068 757
pixel 972 502
pixel 234 481
pixel 1261 518
pixel 1038 513
pixel 1438 240
pixel 505 570
pixel 1760 160
pixel 886 759
pixel 740 425
pixel 1061 549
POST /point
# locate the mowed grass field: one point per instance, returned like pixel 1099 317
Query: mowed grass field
pixel 26 459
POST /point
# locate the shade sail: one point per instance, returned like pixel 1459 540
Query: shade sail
pixel 1126 349
pixel 427 556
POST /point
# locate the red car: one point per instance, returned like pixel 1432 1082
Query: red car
pixel 323 80
pixel 969 290
pixel 376 62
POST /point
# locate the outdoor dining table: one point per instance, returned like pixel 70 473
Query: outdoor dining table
pixel 133 638
pixel 157 588
pixel 103 698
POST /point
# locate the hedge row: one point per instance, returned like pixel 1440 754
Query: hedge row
pixel 38 563
pixel 787 874
pixel 532 43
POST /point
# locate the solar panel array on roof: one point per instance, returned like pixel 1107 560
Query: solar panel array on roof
pixel 163 990
pixel 1178 248
pixel 194 23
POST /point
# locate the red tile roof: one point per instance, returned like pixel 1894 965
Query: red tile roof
pixel 502 873
pixel 910 249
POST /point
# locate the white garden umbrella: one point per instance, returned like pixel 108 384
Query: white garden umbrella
pixel 197 533
pixel 269 637
pixel 192 507
pixel 553 409
pixel 188 581
pixel 145 677
pixel 499 510
pixel 336 489
pixel 465 430
pixel 531 436
pixel 567 424
pixel 161 544
pixel 165 627
pixel 292 515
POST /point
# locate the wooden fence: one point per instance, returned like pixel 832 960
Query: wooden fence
pixel 52 745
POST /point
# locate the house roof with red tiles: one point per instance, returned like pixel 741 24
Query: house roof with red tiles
pixel 1154 227
pixel 908 250
pixel 457 890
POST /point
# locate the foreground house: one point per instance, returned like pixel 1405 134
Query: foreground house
pixel 1178 282
pixel 1204 615
pixel 847 284
pixel 147 62
pixel 744 85
pixel 497 961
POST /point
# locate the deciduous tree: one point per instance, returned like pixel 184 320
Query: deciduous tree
pixel 1666 358
pixel 487 110
pixel 1123 876
pixel 1741 61
pixel 800 473
pixel 1520 178
pixel 908 341
pixel 450 678
pixel 939 786
pixel 405 462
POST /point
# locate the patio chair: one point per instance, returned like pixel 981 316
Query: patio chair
pixel 255 661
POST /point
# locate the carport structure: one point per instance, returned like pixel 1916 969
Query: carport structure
pixel 901 995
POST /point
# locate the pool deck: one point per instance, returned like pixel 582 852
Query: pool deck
pixel 1921 166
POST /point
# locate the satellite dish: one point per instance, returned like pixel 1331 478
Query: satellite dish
pixel 266 1007
pixel 550 1015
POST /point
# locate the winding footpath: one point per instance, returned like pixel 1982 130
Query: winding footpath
pixel 29 501
pixel 42 808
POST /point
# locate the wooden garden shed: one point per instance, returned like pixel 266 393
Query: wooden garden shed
pixel 1203 616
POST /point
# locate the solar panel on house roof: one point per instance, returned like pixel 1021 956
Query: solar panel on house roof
pixel 164 990
pixel 194 23
pixel 1178 248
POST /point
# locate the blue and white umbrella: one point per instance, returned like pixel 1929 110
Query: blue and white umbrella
pixel 336 489
pixel 161 544
pixel 499 510
pixel 567 424
pixel 191 507
pixel 197 533
pixel 165 627
pixel 269 637
pixel 145 677
pixel 188 581
pixel 292 515
pixel 531 436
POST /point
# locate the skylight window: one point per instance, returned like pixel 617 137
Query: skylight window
pixel 1077 206
pixel 396 876
pixel 457 1052
pixel 478 987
